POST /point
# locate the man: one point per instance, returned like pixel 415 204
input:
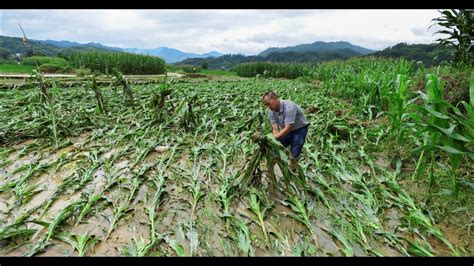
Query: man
pixel 289 125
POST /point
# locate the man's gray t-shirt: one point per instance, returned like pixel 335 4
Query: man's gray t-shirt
pixel 290 113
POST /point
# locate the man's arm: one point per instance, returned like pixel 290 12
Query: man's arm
pixel 290 118
pixel 275 129
pixel 283 132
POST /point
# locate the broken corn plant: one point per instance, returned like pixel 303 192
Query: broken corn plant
pixel 303 211
pixel 260 205
pixel 80 242
pixel 273 152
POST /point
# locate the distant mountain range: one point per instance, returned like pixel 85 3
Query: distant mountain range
pixel 52 48
pixel 304 53
pixel 170 55
pixel 68 44
pixel 318 47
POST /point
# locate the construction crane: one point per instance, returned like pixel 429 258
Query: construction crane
pixel 29 48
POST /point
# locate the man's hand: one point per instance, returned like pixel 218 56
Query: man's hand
pixel 279 134
pixel 275 129
pixel 257 135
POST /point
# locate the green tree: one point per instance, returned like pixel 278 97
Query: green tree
pixel 4 53
pixel 459 26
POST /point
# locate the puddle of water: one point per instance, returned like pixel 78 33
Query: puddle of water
pixel 48 158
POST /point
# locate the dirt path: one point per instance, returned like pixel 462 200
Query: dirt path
pixel 176 75
pixel 18 81
pixel 45 75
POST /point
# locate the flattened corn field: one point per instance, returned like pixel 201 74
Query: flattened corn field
pixel 174 171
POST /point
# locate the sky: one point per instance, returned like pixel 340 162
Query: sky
pixel 226 30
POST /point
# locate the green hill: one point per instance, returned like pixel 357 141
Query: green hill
pixel 318 47
pixel 14 45
pixel 429 54
pixel 230 61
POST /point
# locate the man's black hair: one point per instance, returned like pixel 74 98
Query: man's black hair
pixel 270 94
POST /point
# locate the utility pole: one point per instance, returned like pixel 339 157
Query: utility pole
pixel 29 48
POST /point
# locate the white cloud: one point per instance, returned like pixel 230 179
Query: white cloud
pixel 227 31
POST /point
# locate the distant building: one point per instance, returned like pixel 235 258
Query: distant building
pixel 18 58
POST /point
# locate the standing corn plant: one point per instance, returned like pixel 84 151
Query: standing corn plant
pixel 44 86
pixel 459 26
pixel 397 109
pixel 441 131
pixel 185 115
pixel 119 78
pixel 98 95
pixel 158 101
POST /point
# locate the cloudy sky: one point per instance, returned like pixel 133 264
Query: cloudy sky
pixel 225 31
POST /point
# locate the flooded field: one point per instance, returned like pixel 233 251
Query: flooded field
pixel 166 176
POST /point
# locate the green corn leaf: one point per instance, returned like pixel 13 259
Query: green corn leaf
pixel 437 114
pixel 450 149
pixel 471 90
